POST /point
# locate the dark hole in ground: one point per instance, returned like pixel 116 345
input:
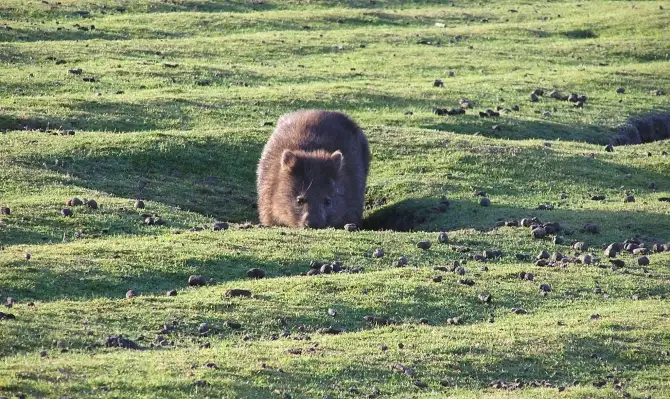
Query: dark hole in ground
pixel 404 216
pixel 643 129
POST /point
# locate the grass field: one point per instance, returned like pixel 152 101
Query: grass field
pixel 184 95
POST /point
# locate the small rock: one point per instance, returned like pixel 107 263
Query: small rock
pixel 233 325
pixel 326 269
pixel 351 227
pixel 255 273
pixel 330 330
pixel 580 246
pixel 239 292
pixel 196 280
pixel 423 244
pixel 612 250
pixel 484 298
pixel 220 226
pixel 538 232
pixel 585 259
pixel 641 251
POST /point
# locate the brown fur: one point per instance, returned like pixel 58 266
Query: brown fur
pixel 313 171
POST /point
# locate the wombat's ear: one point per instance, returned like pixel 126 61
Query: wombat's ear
pixel 337 159
pixel 289 159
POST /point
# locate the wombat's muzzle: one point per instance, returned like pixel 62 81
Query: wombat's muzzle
pixel 310 222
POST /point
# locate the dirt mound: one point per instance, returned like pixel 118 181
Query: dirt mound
pixel 646 129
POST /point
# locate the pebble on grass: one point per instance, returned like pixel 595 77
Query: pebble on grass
pixel 239 292
pixel 351 227
pixel 220 226
pixel 255 273
pixel 196 280
pixel 423 244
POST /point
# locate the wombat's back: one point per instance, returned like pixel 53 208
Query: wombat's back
pixel 314 130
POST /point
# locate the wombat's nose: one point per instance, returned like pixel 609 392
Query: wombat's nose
pixel 312 224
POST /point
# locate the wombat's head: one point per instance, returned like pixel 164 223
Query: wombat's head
pixel 307 187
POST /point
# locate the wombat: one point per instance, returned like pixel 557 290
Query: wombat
pixel 313 170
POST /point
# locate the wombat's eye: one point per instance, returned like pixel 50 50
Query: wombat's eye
pixel 301 200
pixel 326 201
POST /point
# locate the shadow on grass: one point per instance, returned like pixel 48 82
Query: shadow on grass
pixel 419 215
pixel 215 176
pixel 120 115
pixel 509 127
pixel 208 175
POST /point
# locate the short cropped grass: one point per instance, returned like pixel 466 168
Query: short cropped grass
pixel 184 96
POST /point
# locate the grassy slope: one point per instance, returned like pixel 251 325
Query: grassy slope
pixel 190 150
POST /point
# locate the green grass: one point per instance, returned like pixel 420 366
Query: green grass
pixel 186 140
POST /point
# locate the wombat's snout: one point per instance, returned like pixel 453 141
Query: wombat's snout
pixel 313 221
